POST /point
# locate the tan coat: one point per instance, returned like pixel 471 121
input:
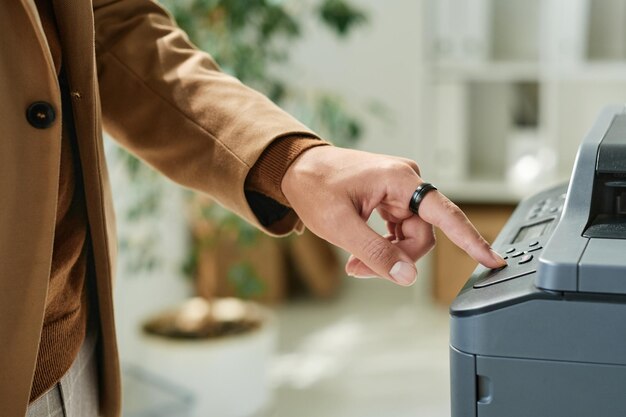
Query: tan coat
pixel 133 72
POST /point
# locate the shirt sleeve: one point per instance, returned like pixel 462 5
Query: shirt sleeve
pixel 263 185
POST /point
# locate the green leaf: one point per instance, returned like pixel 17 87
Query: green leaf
pixel 340 16
pixel 245 281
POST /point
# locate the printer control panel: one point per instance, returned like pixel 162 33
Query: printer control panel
pixel 567 240
pixel 522 245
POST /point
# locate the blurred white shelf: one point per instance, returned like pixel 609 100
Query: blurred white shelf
pixel 488 71
pixel 491 191
pixel 594 71
pixel 494 71
pixel 482 191
pixel 547 66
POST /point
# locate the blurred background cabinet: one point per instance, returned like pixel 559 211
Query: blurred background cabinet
pixel 510 89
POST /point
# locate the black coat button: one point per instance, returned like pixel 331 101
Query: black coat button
pixel 40 115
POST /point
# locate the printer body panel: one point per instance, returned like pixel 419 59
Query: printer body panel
pixel 558 268
pixel 463 395
pixel 514 387
pixel 568 330
pixel 602 268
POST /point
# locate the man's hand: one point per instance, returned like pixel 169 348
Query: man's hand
pixel 334 191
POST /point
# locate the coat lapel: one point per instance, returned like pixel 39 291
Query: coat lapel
pixel 31 10
pixel 75 21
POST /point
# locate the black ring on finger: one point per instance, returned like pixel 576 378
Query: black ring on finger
pixel 419 194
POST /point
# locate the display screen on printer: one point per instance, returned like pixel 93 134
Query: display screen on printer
pixel 532 231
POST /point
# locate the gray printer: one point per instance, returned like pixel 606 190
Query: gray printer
pixel 545 336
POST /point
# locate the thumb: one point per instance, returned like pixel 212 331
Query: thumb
pixel 378 253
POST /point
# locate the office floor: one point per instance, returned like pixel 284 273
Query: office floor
pixel 377 350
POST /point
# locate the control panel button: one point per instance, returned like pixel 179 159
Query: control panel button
pixel 525 259
pixel 516 254
pixel 536 248
pixel 554 209
pixel 535 243
pixel 509 250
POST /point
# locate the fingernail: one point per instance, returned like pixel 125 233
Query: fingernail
pixel 364 276
pixel 497 257
pixel 403 273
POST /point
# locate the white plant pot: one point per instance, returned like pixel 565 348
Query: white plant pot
pixel 228 377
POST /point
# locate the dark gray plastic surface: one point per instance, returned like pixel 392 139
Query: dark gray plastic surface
pixel 462 395
pixel 612 154
pixel 535 388
pixel 555 357
pixel 602 268
pixel 570 330
pixel 607 228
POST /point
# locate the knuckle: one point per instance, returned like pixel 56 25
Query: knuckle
pixel 406 175
pixel 414 166
pixel 451 209
pixel 377 251
pixel 391 167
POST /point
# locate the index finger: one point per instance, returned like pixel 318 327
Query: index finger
pixel 439 211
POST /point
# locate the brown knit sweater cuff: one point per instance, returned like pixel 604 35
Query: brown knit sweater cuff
pixel 267 174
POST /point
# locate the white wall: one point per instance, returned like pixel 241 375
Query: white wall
pixel 379 62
